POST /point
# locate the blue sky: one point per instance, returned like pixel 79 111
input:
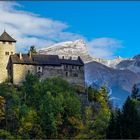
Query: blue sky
pixel 93 21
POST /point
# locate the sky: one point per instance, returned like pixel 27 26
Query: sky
pixel 109 28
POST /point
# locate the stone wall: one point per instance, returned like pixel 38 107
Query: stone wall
pixel 73 75
pixel 20 72
pixel 6 49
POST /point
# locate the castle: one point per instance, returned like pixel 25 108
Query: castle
pixel 15 66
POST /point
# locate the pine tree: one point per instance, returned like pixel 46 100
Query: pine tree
pixel 135 92
pixel 130 120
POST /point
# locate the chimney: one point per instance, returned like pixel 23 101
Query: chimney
pixel 30 54
pixel 20 55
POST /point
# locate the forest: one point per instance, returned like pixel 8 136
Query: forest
pixel 52 108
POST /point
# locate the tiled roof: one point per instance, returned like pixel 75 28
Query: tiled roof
pixel 6 37
pixel 39 59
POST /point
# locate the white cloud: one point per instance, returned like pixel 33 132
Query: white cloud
pixel 104 47
pixel 31 29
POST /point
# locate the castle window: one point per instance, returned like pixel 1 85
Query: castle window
pixel 66 74
pixel 11 52
pixel 66 66
pixel 75 75
pixel 79 68
pixel 39 69
pixel 4 42
pixel 6 53
pixel 72 67
pixel 10 42
pixel 29 71
pixel 62 57
pixel 70 57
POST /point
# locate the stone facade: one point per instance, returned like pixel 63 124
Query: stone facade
pixel 6 49
pixel 15 66
pixel 73 74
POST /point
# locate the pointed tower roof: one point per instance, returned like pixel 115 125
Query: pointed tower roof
pixel 6 37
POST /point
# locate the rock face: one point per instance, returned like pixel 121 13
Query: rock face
pixel 120 82
pixel 132 64
pixel 69 49
pixel 119 75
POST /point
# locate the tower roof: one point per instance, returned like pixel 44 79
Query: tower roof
pixel 6 37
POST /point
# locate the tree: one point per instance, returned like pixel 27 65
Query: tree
pixel 114 128
pixel 33 50
pixel 130 120
pixel 5 134
pixel 60 109
pixel 135 92
pixel 2 109
pixel 97 116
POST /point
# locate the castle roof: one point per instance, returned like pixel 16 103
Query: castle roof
pixel 40 59
pixel 6 37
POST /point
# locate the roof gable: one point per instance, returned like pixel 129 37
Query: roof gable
pixel 6 37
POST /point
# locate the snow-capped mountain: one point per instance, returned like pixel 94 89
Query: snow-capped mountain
pixel 119 81
pixel 119 75
pixel 69 49
pixel 77 48
pixel 132 64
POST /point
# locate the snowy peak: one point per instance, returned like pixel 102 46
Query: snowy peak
pixel 69 49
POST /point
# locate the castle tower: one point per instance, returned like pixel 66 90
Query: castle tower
pixel 7 48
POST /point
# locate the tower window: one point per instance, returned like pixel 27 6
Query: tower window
pixel 72 67
pixel 75 75
pixel 4 42
pixel 10 42
pixel 29 71
pixel 66 74
pixel 6 53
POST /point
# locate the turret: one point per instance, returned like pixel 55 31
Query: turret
pixel 7 48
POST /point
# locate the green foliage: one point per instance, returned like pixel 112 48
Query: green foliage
pixel 5 134
pixel 97 116
pixel 51 108
pixel 2 109
pixel 33 50
pixel 62 108
pixel 135 92
pixel 125 124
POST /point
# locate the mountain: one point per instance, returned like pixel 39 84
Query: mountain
pixel 131 64
pixel 120 82
pixel 69 49
pixel 119 75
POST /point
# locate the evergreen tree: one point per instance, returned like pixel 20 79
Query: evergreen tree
pixel 33 50
pixel 135 92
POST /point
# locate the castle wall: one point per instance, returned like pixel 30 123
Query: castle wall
pixel 5 51
pixel 74 76
pixel 20 72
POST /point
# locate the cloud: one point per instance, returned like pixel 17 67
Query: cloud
pixel 104 47
pixel 32 29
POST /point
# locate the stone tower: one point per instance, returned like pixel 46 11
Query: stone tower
pixel 7 48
